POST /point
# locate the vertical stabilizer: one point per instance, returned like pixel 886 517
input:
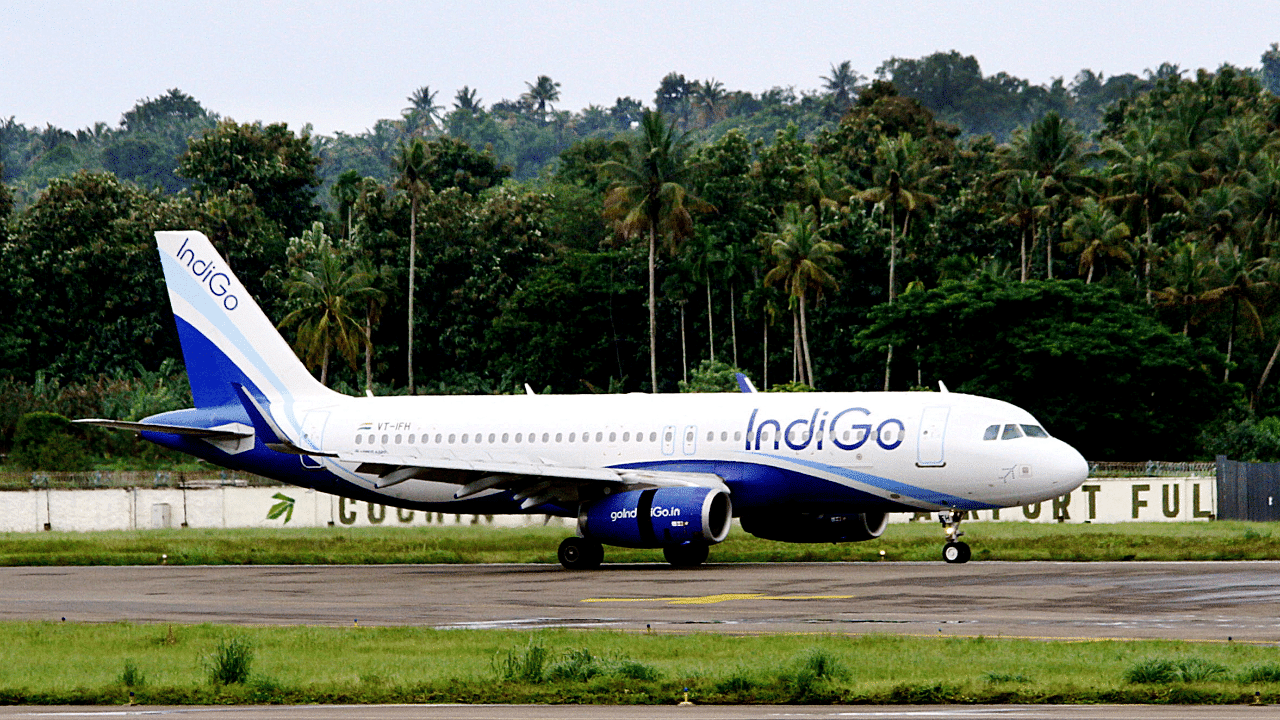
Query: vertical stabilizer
pixel 226 338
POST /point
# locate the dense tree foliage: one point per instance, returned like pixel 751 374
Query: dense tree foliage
pixel 1102 252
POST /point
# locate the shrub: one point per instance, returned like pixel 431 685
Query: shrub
pixel 579 665
pixel 230 663
pixel 1164 672
pixel 132 677
pixel 47 441
pixel 1261 673
pixel 524 665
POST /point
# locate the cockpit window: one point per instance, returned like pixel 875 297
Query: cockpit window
pixel 993 432
pixel 1034 431
pixel 1011 432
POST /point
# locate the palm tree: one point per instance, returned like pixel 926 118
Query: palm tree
pixel 1184 275
pixel 1147 179
pixel 466 100
pixel 709 96
pixel 705 263
pixel 331 296
pixel 412 167
pixel 648 196
pixel 1240 280
pixel 900 174
pixel 1095 233
pixel 842 84
pixel 1051 150
pixel 802 262
pixel 423 110
pixel 1025 207
pixel 542 92
pixel 346 190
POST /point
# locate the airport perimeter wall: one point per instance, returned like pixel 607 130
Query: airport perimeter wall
pixel 1102 500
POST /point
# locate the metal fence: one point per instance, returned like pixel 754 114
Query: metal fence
pixel 1152 468
pixel 12 480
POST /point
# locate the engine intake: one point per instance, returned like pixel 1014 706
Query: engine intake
pixel 658 517
pixel 806 527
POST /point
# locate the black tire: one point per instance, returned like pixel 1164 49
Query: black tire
pixel 577 553
pixel 687 555
pixel 956 552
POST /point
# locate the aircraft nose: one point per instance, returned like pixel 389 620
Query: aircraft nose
pixel 1067 467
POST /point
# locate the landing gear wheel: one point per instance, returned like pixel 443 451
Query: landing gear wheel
pixel 687 555
pixel 577 553
pixel 956 552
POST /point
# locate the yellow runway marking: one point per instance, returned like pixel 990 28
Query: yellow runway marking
pixel 712 599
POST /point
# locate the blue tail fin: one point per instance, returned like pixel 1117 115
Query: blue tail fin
pixel 226 338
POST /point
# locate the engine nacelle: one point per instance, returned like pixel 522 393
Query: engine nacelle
pixel 658 517
pixel 806 527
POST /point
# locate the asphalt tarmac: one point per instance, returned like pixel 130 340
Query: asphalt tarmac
pixel 1202 601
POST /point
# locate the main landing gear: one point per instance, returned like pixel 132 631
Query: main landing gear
pixel 954 551
pixel 577 553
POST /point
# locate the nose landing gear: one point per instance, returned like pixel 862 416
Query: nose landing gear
pixel 954 551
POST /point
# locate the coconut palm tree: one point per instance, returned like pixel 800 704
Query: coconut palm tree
pixel 423 112
pixel 541 94
pixel 411 169
pixel 1239 281
pixel 465 99
pixel 346 190
pixel 842 84
pixel 332 296
pixel 1096 233
pixel 802 263
pixel 648 197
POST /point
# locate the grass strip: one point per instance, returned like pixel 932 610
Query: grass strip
pixel 116 663
pixel 1222 540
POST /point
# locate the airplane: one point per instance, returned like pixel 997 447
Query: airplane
pixel 637 470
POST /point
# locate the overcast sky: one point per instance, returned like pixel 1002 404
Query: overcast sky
pixel 342 65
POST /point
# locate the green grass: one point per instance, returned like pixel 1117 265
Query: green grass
pixel 46 663
pixel 470 544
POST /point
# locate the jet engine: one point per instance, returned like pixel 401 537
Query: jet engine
pixel 811 527
pixel 658 517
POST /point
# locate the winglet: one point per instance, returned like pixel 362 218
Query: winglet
pixel 942 387
pixel 266 428
pixel 744 383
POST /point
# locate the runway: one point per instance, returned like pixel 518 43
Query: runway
pixel 1202 601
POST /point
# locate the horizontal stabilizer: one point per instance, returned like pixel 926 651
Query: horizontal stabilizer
pixel 197 432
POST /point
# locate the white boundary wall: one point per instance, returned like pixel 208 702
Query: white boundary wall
pixel 1099 501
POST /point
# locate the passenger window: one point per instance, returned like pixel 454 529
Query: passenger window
pixel 399 438
pixel 359 438
pixel 992 432
pixel 737 435
pixel 626 437
pixel 599 436
pixel 385 439
pixel 1011 432
pixel 452 438
pixel 411 438
pixel 546 437
pixel 653 436
pixel 438 439
pixel 711 435
pixel 1034 431
pixel 492 438
pixel 613 437
pixel 559 437
pixel 724 436
pixel 573 436
pixel 464 438
pixel 504 438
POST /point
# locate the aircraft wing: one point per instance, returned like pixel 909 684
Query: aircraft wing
pixel 533 483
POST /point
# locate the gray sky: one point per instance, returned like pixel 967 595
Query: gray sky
pixel 342 65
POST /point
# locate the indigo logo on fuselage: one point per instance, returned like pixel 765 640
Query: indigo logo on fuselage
pixel 219 283
pixel 816 427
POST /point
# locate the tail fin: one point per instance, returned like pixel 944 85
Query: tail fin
pixel 226 338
